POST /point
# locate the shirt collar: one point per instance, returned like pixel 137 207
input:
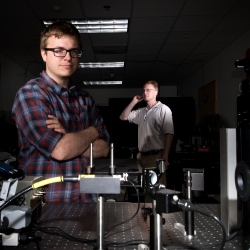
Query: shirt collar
pixel 156 105
pixel 55 87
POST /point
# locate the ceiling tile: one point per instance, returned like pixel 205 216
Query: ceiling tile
pixel 149 8
pixel 186 36
pixel 109 39
pixel 118 9
pixel 166 40
pixel 153 24
pixel 196 23
pixel 45 9
pixel 138 49
pixel 147 37
pixel 211 7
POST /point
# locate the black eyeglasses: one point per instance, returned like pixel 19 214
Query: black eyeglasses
pixel 59 52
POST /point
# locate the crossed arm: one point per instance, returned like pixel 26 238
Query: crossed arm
pixel 72 145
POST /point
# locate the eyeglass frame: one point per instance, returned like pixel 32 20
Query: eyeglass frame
pixel 147 90
pixel 67 50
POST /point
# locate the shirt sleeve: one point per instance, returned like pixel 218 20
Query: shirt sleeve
pixel 96 120
pixel 167 120
pixel 30 111
pixel 133 117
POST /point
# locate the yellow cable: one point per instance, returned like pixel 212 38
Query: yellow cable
pixel 86 176
pixel 57 179
pixel 47 181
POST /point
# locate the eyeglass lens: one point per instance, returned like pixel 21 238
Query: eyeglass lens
pixel 63 52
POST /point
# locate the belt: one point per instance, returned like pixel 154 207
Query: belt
pixel 151 152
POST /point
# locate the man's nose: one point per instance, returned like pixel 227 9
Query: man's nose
pixel 68 56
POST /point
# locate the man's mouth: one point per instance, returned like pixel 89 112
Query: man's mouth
pixel 66 66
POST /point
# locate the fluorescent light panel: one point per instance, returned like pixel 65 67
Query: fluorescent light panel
pixel 102 82
pixel 101 65
pixel 98 26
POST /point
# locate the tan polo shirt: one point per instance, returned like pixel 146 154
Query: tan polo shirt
pixel 153 125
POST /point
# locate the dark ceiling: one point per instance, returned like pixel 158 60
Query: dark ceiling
pixel 167 40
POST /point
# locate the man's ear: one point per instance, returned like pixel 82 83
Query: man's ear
pixel 43 54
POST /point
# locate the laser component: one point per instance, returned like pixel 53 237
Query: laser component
pixel 112 169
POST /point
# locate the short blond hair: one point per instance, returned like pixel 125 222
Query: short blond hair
pixel 154 83
pixel 59 29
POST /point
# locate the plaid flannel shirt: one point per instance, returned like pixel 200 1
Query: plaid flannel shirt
pixel 76 111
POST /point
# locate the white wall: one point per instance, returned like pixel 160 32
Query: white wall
pixel 222 69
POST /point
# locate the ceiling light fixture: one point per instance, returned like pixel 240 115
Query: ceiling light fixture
pixel 102 82
pixel 101 65
pixel 97 26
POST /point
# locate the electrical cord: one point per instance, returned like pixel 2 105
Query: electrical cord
pixel 26 237
pixel 128 243
pixel 55 230
pixel 186 205
pixel 231 236
pixel 138 207
pixel 40 184
pixel 21 201
pixel 59 232
pixel 190 247
pixel 11 199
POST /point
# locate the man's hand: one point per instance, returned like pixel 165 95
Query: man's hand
pixel 137 98
pixel 125 113
pixel 74 144
pixel 166 162
pixel 54 123
pixel 165 157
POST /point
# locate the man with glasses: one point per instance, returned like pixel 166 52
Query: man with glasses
pixel 56 121
pixel 155 126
